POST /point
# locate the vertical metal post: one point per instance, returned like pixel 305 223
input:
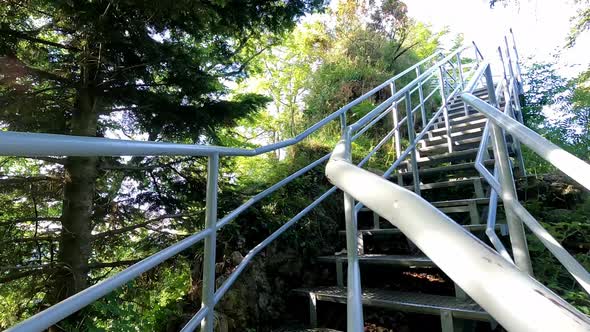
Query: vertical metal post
pixel 462 80
pixel 516 99
pixel 421 95
pixel 313 310
pixel 443 96
pixel 354 307
pixel 376 220
pixel 396 136
pixel 508 110
pixel 516 230
pixel 460 70
pixel 446 321
pixel 509 60
pixel 411 139
pixel 208 297
pixel 476 55
pixel 339 273
pixel 517 65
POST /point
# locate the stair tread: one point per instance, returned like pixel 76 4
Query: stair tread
pixel 403 301
pixel 456 144
pixel 461 119
pixel 444 169
pixel 450 156
pixel 390 231
pixel 444 156
pixel 443 137
pixel 459 202
pixel 447 183
pixel 396 260
pixel 440 169
pixel 463 125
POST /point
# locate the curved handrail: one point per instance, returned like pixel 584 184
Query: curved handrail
pixel 480 271
pixel 34 144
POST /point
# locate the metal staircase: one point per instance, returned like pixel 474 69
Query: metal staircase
pixel 439 170
pixel 456 160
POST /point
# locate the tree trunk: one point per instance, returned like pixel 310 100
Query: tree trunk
pixel 75 244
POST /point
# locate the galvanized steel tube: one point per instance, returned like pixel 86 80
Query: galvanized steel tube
pixel 516 300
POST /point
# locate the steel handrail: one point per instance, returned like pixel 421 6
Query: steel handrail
pixel 480 271
pixel 413 144
pixel 35 144
pixel 384 108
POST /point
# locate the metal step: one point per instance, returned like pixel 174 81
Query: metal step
pixel 378 259
pixel 480 93
pixel 445 157
pixel 444 169
pixel 459 120
pixel 395 231
pixel 469 205
pixel 461 202
pixel 458 145
pixel 447 184
pixel 465 155
pixel 442 138
pixel 403 301
pixel 458 107
pixel 478 123
pixel 457 113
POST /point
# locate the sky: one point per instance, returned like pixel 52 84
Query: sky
pixel 540 27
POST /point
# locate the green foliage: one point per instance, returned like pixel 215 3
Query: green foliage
pixel 570 227
pixel 558 110
pixel 581 22
pixel 331 60
pixel 147 303
pixel 142 70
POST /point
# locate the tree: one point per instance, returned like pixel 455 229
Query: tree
pixel 581 21
pixel 148 69
pixel 558 109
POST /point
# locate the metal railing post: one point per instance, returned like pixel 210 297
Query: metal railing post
pixel 520 250
pixel 421 95
pixel 460 71
pixel 517 65
pixel 208 297
pixel 397 143
pixel 508 110
pixel 443 95
pixel 462 80
pixel 411 139
pixel 516 87
pixel 354 307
